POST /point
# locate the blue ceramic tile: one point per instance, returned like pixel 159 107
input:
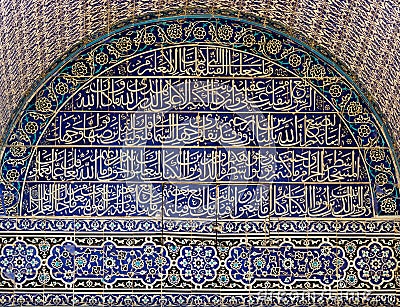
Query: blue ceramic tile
pixel 195 161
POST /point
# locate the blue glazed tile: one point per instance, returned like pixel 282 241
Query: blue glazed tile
pixel 197 161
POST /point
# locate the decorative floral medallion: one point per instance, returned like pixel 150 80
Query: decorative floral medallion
pixel 198 263
pixel 19 262
pixel 375 263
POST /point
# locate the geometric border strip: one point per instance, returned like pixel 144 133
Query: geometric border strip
pixel 339 227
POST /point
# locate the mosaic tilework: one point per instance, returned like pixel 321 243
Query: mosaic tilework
pixel 198 160
pixel 361 35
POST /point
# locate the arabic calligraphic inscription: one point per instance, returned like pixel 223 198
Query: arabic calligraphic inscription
pixel 197 160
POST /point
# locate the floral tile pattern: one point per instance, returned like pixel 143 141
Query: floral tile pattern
pixel 198 160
